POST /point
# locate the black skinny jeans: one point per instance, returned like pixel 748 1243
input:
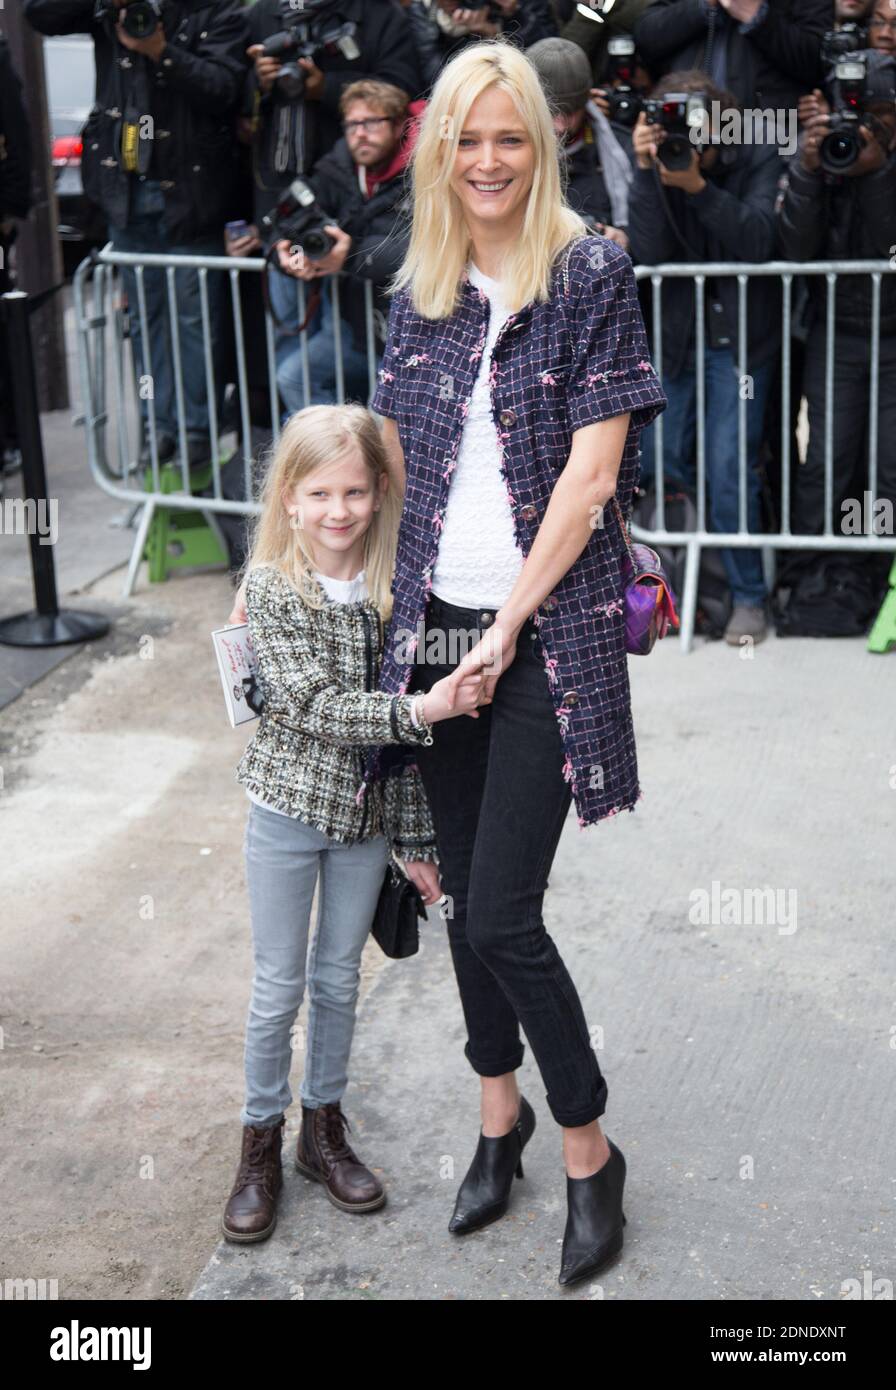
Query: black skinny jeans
pixel 498 799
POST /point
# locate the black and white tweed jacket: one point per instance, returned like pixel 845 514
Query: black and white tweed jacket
pixel 322 716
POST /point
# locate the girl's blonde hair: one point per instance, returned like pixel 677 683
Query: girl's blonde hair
pixel 440 242
pixel 313 437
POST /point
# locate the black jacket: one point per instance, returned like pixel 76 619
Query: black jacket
pixel 586 191
pixel 533 20
pixel 380 228
pixel 191 95
pixel 292 138
pixel 769 67
pixel 15 142
pixel 732 219
pixel 846 219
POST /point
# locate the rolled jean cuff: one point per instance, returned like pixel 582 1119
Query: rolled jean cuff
pixel 499 1068
pixel 572 1119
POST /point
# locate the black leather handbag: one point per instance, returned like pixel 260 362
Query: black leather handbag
pixel 398 911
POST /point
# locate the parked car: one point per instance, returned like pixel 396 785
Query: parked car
pixel 71 78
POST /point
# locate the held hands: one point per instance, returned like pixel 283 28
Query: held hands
pixel 491 655
pixel 152 47
pixel 451 696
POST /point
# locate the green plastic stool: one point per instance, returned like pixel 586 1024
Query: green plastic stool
pixel 179 539
pixel 883 634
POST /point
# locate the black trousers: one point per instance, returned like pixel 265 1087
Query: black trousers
pixel 498 799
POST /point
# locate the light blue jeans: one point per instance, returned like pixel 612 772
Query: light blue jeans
pixel 283 859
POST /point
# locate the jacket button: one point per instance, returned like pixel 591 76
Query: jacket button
pixel 529 512
pixel 507 417
pixel 570 697
pixel 550 602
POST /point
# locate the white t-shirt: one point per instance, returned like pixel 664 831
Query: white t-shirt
pixel 479 559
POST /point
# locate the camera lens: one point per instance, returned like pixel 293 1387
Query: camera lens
pixel 139 19
pixel 839 150
pixel 676 152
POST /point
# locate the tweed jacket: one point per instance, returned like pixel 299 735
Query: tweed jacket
pixel 317 671
pixel 555 367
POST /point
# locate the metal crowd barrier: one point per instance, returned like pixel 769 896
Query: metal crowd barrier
pixel 110 395
pixel 783 539
pixel 110 387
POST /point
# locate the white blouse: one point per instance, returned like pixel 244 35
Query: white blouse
pixel 479 559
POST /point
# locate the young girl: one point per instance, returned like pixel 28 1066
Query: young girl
pixel 318 592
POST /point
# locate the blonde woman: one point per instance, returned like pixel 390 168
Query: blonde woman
pixel 317 594
pixel 514 386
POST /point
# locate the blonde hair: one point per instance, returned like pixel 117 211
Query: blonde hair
pixel 312 438
pixel 440 241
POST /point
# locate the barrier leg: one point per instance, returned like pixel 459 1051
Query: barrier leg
pixel 139 547
pixel 883 633
pixel 689 598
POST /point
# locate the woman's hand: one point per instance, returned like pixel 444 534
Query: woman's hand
pixel 238 612
pixel 493 653
pixel 426 877
pixel 449 697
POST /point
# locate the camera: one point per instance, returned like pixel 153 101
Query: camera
pixel 293 43
pixel 678 114
pixel 139 18
pixel 842 145
pixel 298 217
pixel 838 43
pixel 622 99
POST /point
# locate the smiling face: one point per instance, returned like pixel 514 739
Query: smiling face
pixel 494 164
pixel 334 506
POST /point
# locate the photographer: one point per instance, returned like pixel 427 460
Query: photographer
pixel 594 170
pixel 442 28
pixel 159 160
pixel 839 202
pixel 712 202
pixel 304 58
pixel 15 202
pixel 359 190
pixel 767 52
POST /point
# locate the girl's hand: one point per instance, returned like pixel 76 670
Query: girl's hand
pixel 493 653
pixel 449 697
pixel 238 612
pixel 426 877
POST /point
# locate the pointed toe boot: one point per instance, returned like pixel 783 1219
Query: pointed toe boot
pixel 594 1220
pixel 484 1194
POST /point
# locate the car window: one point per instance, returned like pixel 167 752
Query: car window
pixel 70 74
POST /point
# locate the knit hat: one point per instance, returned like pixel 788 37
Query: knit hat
pixel 564 72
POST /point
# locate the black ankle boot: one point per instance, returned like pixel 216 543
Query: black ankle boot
pixel 595 1219
pixel 485 1191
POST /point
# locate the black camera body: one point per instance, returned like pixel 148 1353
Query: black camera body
pixel 298 217
pixel 291 44
pixel 678 114
pixel 842 145
pixel 139 18
pixel 839 43
pixel 624 102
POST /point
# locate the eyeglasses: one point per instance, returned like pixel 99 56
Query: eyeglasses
pixel 878 23
pixel 367 125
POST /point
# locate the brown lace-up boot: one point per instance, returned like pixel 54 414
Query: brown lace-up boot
pixel 251 1211
pixel 323 1154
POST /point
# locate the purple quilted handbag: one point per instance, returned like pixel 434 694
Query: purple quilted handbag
pixel 649 604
